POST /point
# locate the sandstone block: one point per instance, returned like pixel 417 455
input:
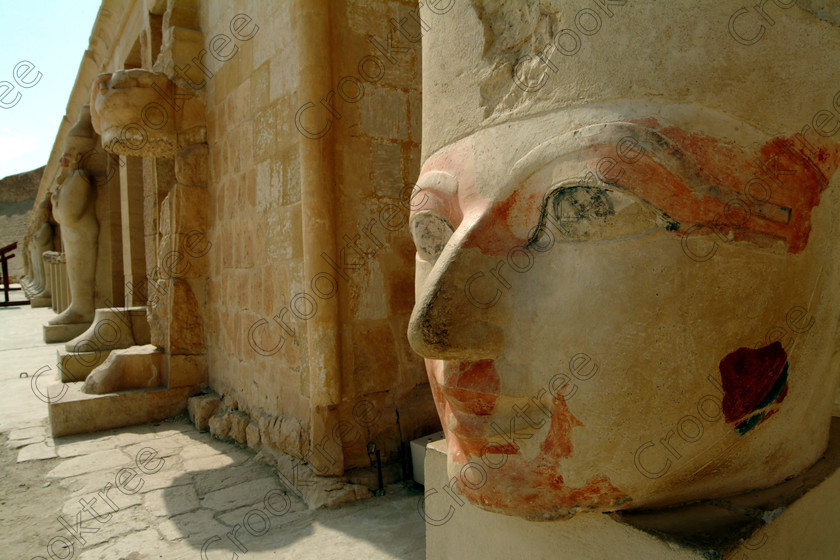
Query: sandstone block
pixel 201 408
pixel 252 435
pixel 238 424
pixel 220 426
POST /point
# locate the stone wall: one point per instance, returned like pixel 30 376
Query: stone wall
pixel 260 302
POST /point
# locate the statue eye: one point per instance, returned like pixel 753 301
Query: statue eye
pixel 581 213
pixel 430 232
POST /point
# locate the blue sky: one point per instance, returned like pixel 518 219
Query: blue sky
pixel 52 35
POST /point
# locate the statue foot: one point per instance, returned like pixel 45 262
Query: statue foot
pixel 103 381
pixel 70 316
pixel 138 367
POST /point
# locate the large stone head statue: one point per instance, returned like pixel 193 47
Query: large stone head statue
pixel 627 256
pixel 143 113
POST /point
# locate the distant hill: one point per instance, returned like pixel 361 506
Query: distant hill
pixel 22 186
pixel 17 198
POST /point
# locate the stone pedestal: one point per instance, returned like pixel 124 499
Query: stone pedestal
pixel 796 519
pixel 40 302
pixel 73 411
pixel 76 366
pixel 63 333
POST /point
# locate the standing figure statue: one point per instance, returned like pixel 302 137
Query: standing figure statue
pixel 36 244
pixel 74 209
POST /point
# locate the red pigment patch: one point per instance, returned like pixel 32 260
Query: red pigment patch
pixel 478 376
pixel 536 489
pixel 747 376
pixel 558 441
pixel 473 388
pixel 496 235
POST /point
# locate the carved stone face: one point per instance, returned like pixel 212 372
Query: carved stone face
pixel 76 150
pixel 606 326
pixel 134 111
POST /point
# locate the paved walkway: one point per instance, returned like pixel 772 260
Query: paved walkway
pixel 163 490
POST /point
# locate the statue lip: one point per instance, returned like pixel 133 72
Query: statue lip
pixel 471 387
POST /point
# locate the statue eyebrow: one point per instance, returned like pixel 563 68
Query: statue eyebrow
pixel 663 151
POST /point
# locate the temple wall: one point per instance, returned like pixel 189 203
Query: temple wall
pixel 256 263
pixel 296 313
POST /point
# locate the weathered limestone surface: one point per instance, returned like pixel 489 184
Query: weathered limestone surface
pixel 120 101
pixel 201 408
pixel 244 214
pixel 113 328
pixel 73 411
pixel 278 199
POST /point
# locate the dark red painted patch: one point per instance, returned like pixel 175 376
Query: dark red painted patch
pixel 747 376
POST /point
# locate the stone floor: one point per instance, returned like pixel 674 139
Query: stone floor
pixel 162 490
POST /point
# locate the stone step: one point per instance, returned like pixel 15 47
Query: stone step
pixel 72 411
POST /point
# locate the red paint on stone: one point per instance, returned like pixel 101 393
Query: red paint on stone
pixel 472 387
pixel 747 376
pixel 478 376
pixel 558 442
pixel 495 235
pixel 699 180
pixel 535 488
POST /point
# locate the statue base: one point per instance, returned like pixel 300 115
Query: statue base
pixel 796 519
pixel 63 333
pixel 76 366
pixel 40 302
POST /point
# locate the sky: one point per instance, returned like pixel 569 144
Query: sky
pixel 52 35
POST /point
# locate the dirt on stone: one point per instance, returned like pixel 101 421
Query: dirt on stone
pixel 29 510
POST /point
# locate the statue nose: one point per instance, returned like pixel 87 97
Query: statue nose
pixel 445 324
pixel 440 330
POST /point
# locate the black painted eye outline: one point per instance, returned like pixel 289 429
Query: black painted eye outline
pixel 573 205
pixel 430 232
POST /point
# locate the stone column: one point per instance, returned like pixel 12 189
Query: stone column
pixel 174 288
